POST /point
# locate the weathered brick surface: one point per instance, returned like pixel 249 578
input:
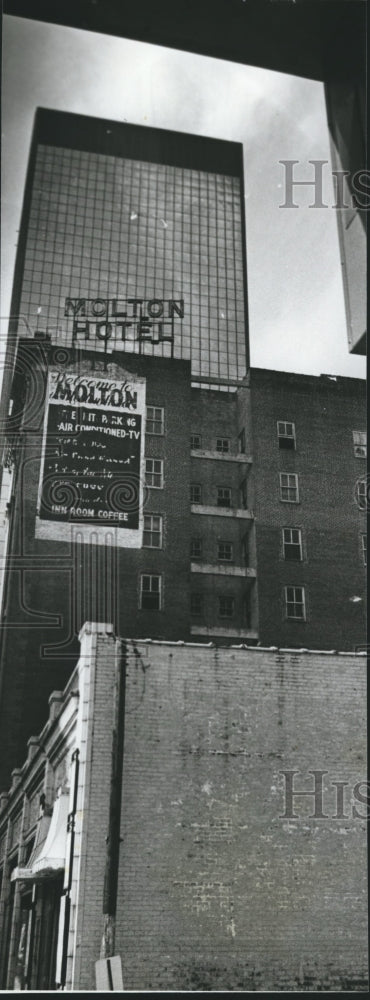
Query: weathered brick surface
pixel 216 890
pixel 325 412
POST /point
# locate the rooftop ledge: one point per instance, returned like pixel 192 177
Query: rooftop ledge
pixel 227 457
pixel 223 569
pixel 199 508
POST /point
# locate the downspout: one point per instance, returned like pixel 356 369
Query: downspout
pixel 67 889
pixel 114 827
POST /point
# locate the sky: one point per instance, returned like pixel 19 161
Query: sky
pixel 295 295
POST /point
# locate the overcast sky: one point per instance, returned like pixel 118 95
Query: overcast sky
pixel 296 305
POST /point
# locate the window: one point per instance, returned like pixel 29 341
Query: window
pixel 226 607
pixel 289 487
pixel 359 443
pixel 364 548
pixel 195 441
pixel 223 496
pixel 292 543
pixel 195 493
pixel 225 551
pixel 286 434
pixel 196 548
pixel 154 420
pixel 152 536
pixel 154 472
pixel 361 494
pixel 196 604
pixel 295 603
pixel 241 441
pixel 151 593
pixel 222 445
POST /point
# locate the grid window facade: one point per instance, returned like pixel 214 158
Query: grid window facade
pixel 226 606
pixel 292 544
pixel 289 489
pixel 364 548
pixel 225 551
pixel 295 603
pixel 153 531
pixel 196 604
pixel 359 443
pixel 150 592
pixel 286 434
pixel 195 441
pixel 112 226
pixel 196 548
pixel 154 420
pixel 195 493
pixel 223 445
pixel 154 472
pixel 223 496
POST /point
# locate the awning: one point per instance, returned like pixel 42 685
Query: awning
pixel 48 858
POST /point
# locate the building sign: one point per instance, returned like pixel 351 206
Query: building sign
pixel 92 461
pixel 124 320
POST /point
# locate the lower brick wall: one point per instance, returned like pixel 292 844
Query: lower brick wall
pixel 216 890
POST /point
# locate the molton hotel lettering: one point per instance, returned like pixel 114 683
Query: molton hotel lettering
pixel 125 319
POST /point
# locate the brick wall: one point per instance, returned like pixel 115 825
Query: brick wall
pixel 216 891
pixel 325 412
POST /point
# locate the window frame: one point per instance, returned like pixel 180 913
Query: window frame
pixel 193 541
pixel 287 487
pixel 196 613
pixel 225 559
pixel 151 577
pixel 195 447
pixel 224 489
pixel 154 420
pixel 196 486
pixel 359 446
pixel 285 436
pixel 361 495
pixel 153 486
pixel 151 531
pixel 295 602
pixel 364 547
pixel 290 545
pixel 226 597
pixel 220 442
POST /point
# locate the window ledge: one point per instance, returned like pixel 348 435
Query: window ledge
pixel 224 631
pixel 223 456
pixel 240 512
pixel 224 569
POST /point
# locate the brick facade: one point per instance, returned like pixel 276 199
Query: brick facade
pixel 216 888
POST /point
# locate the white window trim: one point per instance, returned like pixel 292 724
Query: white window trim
pixel 153 531
pixel 293 618
pixel 154 419
pixel 297 545
pixel 287 487
pixel 150 486
pixel 152 576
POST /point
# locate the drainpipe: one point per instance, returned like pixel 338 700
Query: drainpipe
pixel 67 890
pixel 114 828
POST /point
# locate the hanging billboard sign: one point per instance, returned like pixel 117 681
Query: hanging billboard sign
pixel 92 458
